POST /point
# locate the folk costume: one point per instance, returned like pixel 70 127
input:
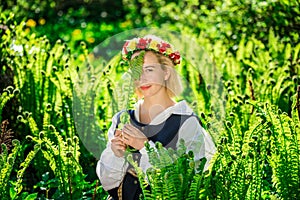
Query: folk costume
pixel 175 123
pixel 168 127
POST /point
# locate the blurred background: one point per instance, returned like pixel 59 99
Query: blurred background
pixel 45 43
pixel 95 20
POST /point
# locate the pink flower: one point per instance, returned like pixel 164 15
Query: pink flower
pixel 124 47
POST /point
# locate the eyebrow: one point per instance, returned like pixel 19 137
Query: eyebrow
pixel 149 66
pixel 152 65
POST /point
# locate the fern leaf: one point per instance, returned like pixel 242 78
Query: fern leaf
pixel 136 65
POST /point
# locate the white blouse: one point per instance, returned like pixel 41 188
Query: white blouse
pixel 111 169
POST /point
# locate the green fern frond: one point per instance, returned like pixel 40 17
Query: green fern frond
pixel 8 93
pixel 285 156
pixel 23 166
pixel 141 176
pixel 136 65
pixel 194 190
pixel 171 173
pixel 7 163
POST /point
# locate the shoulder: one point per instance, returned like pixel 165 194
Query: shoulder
pixel 191 130
pixel 182 108
pixel 192 122
pixel 116 117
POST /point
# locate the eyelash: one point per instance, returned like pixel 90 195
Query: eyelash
pixel 148 70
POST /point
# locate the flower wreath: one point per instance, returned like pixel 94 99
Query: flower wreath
pixel 153 43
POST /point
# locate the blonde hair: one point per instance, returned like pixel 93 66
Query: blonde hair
pixel 173 83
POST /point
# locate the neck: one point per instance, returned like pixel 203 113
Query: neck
pixel 162 100
pixel 154 105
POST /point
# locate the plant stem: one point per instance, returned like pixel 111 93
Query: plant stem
pixel 298 101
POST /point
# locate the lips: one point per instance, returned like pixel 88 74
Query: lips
pixel 145 87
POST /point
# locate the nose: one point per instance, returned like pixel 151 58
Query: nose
pixel 142 77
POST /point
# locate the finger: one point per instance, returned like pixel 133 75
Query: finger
pixel 118 133
pixel 125 131
pixel 135 130
pixel 130 127
pixel 131 130
pixel 120 137
pixel 133 133
pixel 117 140
pixel 126 137
pixel 119 145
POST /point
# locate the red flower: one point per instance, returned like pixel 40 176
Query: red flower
pixel 175 57
pixel 162 47
pixel 142 43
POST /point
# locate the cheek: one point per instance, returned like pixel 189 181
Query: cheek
pixel 160 80
pixel 136 83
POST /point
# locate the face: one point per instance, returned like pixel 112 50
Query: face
pixel 152 80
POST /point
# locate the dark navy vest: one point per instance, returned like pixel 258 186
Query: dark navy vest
pixel 165 132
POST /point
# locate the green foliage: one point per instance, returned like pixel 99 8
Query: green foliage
pixel 127 85
pixel 68 21
pixel 17 186
pixel 173 173
pixel 55 96
pixel 136 66
pixel 63 158
pixel 7 161
pixel 43 75
pixel 8 93
pixel 247 165
pixel 284 153
pixel 121 90
pixel 219 20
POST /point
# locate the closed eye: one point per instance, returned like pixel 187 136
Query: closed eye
pixel 149 68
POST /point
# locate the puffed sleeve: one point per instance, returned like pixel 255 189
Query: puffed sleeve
pixel 144 161
pixel 110 168
pixel 197 140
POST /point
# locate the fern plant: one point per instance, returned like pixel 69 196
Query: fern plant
pixel 42 75
pixel 63 157
pixel 7 161
pixel 7 94
pixel 172 174
pixel 285 154
pixel 125 88
pixel 17 187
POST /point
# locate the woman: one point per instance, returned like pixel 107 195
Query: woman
pixel 156 117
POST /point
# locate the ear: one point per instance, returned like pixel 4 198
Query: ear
pixel 167 73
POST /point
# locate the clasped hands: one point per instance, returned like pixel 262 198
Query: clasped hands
pixel 129 135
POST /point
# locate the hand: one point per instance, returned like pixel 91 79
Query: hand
pixel 133 137
pixel 117 144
